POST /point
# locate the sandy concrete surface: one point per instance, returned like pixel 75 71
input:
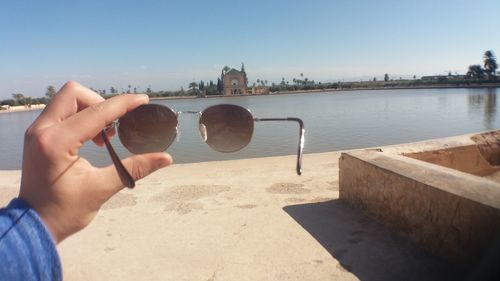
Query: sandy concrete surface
pixel 251 219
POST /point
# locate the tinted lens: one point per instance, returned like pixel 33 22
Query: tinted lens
pixel 148 128
pixel 226 127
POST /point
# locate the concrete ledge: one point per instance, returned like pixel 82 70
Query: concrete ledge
pixel 451 213
pixel 467 159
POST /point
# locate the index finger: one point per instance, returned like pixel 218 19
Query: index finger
pixel 71 98
pixel 87 123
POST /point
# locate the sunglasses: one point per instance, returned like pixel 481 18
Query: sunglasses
pixel 153 128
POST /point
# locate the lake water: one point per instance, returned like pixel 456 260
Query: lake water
pixel 333 121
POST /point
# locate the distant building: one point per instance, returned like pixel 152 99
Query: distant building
pixel 235 82
pixel 434 77
pixel 443 77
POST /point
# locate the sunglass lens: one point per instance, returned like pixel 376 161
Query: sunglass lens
pixel 226 127
pixel 148 128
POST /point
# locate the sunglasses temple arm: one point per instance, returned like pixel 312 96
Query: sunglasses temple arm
pixel 300 150
pixel 124 175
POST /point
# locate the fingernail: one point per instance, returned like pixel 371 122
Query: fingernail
pixel 142 96
pixel 164 161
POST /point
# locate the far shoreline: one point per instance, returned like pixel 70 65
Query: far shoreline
pixel 36 107
pixel 436 86
pixel 22 108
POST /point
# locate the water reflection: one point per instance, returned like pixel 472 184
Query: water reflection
pixel 490 108
pixel 484 101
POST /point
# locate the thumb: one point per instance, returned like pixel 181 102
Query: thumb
pixel 138 166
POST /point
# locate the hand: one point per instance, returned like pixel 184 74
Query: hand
pixel 64 188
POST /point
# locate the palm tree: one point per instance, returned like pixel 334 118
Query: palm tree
pixel 490 63
pixel 193 85
pixel 51 92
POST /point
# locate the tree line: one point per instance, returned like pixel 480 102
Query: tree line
pixel 19 98
pixel 488 70
pixel 477 73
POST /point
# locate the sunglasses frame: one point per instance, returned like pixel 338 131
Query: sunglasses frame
pixel 129 181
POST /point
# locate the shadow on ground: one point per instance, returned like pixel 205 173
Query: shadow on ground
pixel 366 248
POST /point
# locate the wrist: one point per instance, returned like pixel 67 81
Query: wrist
pixel 44 217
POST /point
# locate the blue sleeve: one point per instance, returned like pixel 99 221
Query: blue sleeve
pixel 27 251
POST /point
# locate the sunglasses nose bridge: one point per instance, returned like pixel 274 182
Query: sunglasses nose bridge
pixel 178 127
pixel 188 112
pixel 178 132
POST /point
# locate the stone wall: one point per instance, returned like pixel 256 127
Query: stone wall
pixel 450 213
pixel 489 146
pixel 467 159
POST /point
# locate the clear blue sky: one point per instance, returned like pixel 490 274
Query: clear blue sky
pixel 167 44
